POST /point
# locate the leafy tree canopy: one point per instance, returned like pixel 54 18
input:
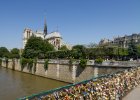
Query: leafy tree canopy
pixel 132 50
pixel 4 52
pixel 15 53
pixel 63 48
pixel 92 45
pixel 138 49
pixel 36 47
pixel 79 51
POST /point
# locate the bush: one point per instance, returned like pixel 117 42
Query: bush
pixel 13 64
pixel 23 62
pixel 46 64
pixel 58 54
pixel 0 62
pixel 30 64
pixel 98 60
pixel 70 63
pixel 71 60
pixel 83 63
pixel 35 62
pixel 6 60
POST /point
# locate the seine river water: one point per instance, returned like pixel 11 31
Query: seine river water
pixel 14 84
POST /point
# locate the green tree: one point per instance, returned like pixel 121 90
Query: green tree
pixel 91 53
pixel 64 48
pixel 138 49
pixel 4 52
pixel 111 51
pixel 100 52
pixel 123 53
pixel 15 53
pixel 92 45
pixel 36 47
pixel 78 51
pixel 132 50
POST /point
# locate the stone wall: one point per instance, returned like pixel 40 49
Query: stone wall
pixel 52 71
pixel 65 72
pixel 61 70
pixel 56 71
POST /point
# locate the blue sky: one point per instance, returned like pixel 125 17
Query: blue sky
pixel 78 21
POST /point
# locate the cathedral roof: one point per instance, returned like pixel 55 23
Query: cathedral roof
pixel 39 34
pixel 53 35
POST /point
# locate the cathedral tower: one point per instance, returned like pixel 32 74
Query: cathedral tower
pixel 45 29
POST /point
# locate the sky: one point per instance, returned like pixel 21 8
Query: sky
pixel 78 21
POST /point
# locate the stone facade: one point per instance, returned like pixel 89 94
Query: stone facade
pixel 53 38
pixel 122 41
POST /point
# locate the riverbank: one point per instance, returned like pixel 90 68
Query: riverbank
pixel 61 69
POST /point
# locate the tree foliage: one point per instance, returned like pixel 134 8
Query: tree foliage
pixel 0 62
pixel 78 51
pixel 64 48
pixel 36 47
pixel 83 63
pixel 138 49
pixel 132 50
pixel 4 52
pixel 46 64
pixel 15 53
pixel 98 60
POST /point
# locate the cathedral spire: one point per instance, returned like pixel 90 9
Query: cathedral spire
pixel 45 28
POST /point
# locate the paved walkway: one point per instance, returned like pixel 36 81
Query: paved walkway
pixel 133 95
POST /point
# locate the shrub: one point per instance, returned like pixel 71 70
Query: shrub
pixel 13 64
pixel 46 64
pixel 58 54
pixel 35 62
pixel 70 63
pixel 23 62
pixel 30 64
pixel 0 62
pixel 83 63
pixel 6 60
pixel 98 60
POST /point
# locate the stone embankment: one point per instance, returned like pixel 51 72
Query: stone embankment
pixel 63 71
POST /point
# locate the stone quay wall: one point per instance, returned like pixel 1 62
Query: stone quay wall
pixel 63 71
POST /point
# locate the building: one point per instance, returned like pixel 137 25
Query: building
pixel 54 37
pixel 104 42
pixel 122 41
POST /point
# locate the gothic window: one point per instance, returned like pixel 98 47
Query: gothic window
pixel 27 34
pixel 57 42
pixel 54 42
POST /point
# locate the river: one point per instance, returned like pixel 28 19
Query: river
pixel 14 84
